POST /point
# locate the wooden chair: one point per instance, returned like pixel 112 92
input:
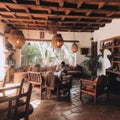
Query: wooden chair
pixel 94 87
pixel 16 107
pixel 2 84
pixel 17 87
pixel 35 78
pixel 64 86
pixel 58 86
pixel 51 81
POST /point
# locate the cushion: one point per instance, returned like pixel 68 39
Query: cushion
pixel 88 87
pixel 43 69
pixel 53 68
pixel 69 68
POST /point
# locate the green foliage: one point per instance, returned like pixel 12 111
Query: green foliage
pixel 91 65
pixel 43 53
pixel 30 55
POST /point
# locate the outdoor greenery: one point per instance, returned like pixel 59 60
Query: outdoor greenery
pixel 44 54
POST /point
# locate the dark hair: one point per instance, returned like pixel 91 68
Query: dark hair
pixel 63 62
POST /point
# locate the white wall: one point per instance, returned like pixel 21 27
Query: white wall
pixel 2 56
pixel 2 60
pixel 82 37
pixel 110 30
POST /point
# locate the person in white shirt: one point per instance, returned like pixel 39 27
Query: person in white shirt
pixel 59 69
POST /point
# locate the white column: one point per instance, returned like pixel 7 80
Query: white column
pixel 17 57
pixel 2 60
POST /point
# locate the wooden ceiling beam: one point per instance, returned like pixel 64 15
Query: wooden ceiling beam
pixel 63 18
pixel 60 29
pixel 67 12
pixel 43 21
pixel 99 20
pixel 114 1
pixel 6 7
pixel 79 3
pixel 63 30
pixel 49 11
pixel 101 4
pixel 63 26
pixel 88 13
pixel 56 8
pixel 42 25
pixel 14 16
pixel 109 14
pixel 48 40
pixel 54 15
pixel 15 1
pixel 61 3
pixel 37 2
pixel 27 10
pixel 77 20
pixel 74 15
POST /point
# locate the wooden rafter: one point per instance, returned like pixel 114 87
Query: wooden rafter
pixel 68 15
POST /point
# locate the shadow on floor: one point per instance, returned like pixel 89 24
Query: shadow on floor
pixel 74 109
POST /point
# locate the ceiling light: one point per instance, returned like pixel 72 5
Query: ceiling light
pixel 74 47
pixel 57 41
pixel 16 38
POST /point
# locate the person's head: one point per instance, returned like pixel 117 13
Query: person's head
pixel 62 63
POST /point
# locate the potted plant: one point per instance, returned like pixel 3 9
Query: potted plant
pixel 91 65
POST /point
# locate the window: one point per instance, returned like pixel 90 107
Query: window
pixel 44 54
pixel 85 51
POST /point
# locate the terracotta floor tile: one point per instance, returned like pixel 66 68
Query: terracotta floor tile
pixel 74 109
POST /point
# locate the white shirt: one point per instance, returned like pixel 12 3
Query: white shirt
pixel 59 70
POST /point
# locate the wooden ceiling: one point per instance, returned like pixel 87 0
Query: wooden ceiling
pixel 60 15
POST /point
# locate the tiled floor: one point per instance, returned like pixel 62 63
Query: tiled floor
pixel 74 109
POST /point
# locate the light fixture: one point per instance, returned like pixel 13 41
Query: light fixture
pixel 16 38
pixel 92 38
pixel 52 28
pixel 57 41
pixel 74 46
